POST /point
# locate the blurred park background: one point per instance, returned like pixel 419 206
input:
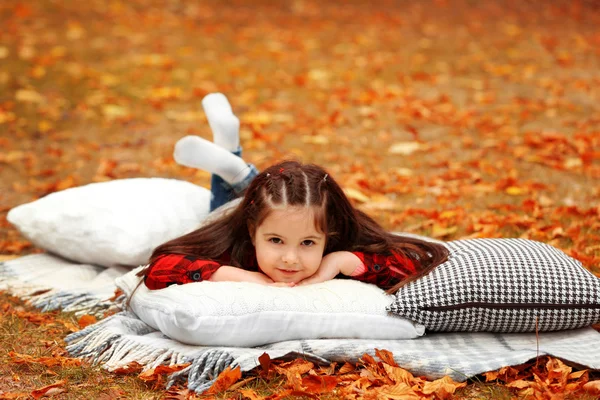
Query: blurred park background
pixel 450 118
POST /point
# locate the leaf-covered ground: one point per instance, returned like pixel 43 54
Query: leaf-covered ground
pixel 449 118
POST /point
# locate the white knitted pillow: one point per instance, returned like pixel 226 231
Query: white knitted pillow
pixel 245 314
pixel 112 223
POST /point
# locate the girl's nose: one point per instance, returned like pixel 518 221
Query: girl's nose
pixel 290 257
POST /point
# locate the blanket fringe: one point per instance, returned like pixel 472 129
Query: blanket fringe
pixel 47 299
pixel 98 343
pixel 78 303
pixel 205 369
pixel 10 282
pixel 101 345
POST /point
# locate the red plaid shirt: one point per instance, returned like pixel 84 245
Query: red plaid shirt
pixel 175 269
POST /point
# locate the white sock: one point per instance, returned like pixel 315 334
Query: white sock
pixel 216 101
pixel 223 123
pixel 196 152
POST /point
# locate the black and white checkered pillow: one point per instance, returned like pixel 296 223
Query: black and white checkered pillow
pixel 502 285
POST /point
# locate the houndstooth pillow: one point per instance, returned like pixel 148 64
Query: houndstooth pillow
pixel 502 285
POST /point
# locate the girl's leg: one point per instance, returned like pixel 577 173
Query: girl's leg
pixel 223 192
pixel 234 175
pixel 226 133
pixel 230 174
pixel 225 127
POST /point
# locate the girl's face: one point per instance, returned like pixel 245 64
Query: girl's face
pixel 289 248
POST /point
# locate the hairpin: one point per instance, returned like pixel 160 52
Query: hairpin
pixel 325 177
pixel 280 170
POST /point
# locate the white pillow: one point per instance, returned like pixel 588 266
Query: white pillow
pixel 243 314
pixel 112 223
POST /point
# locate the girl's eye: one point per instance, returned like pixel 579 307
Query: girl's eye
pixel 275 240
pixel 308 243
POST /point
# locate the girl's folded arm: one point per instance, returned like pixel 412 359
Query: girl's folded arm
pixel 177 269
pixel 234 274
pixel 382 270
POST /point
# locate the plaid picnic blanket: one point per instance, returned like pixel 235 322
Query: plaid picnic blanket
pixel 122 338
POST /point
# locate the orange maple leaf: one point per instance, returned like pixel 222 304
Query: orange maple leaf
pixel 86 320
pixel 443 388
pixel 225 380
pixel 49 390
pixel 319 384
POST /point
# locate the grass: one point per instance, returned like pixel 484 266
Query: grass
pixel 43 338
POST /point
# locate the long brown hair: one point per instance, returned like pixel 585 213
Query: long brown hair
pixel 291 183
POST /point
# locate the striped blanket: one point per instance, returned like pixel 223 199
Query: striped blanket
pixel 50 283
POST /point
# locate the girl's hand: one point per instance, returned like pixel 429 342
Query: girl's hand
pixel 233 274
pixel 343 262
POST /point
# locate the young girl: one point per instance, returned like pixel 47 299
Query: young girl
pixel 293 226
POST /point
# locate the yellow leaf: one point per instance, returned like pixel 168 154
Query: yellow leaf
pixel 44 126
pixel 112 111
pixel 75 31
pixel 346 368
pixel 405 148
pixel 38 71
pixel 318 75
pixel 491 376
pixel 383 205
pixel 399 391
pixel 3 52
pixel 58 51
pixel 515 191
pixel 557 370
pixel 448 214
pixel 439 231
pixel 251 394
pixel 155 60
pixel 13 156
pixel 355 194
pixel 261 117
pixel 366 111
pixel 49 390
pixel 165 93
pixel 282 118
pixel 404 171
pixel 512 30
pixel 297 366
pixel 6 116
pixel 184 116
pixel 443 387
pixel 519 384
pixel 154 374
pixel 399 375
pixel 578 374
pixel 29 96
pixel 573 162
pixel 26 53
pixel 318 139
pixel 109 80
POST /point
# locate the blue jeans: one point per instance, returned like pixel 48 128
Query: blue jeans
pixel 222 192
